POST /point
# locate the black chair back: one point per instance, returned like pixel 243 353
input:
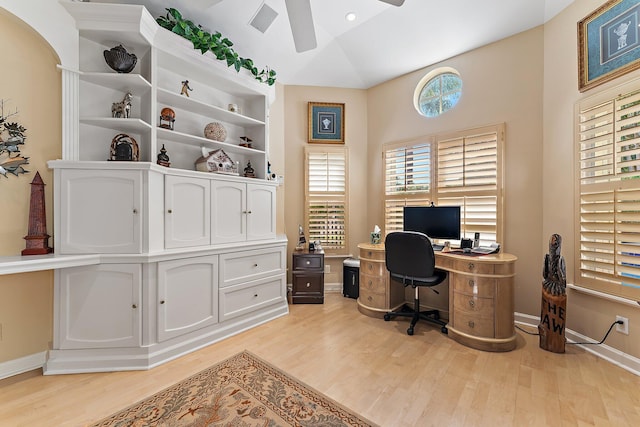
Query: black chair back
pixel 409 254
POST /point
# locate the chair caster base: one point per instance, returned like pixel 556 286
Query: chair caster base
pixel 387 317
pixel 410 331
pixel 444 330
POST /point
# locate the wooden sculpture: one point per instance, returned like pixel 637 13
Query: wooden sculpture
pixel 554 299
pixel 37 239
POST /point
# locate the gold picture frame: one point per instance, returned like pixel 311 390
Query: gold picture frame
pixel 608 43
pixel 326 123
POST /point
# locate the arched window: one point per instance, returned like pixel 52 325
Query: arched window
pixel 438 92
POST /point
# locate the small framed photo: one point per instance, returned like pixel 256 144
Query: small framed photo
pixel 326 123
pixel 608 43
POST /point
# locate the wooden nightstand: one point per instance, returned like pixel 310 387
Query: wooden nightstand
pixel 308 277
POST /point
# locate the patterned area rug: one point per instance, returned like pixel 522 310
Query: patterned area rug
pixel 242 391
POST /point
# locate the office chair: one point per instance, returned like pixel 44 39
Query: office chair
pixel 411 261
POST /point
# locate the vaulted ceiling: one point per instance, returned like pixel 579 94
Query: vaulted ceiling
pixel 383 42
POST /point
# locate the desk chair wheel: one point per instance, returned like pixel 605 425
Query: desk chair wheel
pixel 444 330
pixel 410 331
pixel 387 317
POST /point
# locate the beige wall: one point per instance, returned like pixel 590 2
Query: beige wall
pixel 587 315
pixel 502 82
pixel 360 172
pixel 32 84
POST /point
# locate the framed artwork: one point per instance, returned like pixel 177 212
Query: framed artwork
pixel 608 43
pixel 326 123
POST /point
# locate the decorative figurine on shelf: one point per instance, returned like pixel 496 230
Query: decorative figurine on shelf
pixel 233 108
pixel 185 88
pixel 122 109
pixel 37 237
pixel 120 60
pixel 554 299
pixel 246 141
pixel 167 118
pixel 216 161
pixel 301 239
pixel 124 148
pixel 248 171
pixel 163 158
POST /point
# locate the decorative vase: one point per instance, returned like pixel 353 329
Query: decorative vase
pixel 120 60
pixel 215 131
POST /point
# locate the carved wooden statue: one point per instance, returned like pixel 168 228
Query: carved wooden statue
pixel 554 299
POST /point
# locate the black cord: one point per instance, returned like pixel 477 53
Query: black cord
pixel 583 343
pixel 605 335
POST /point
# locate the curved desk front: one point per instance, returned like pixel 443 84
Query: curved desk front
pixel 481 295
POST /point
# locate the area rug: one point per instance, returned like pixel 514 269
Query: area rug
pixel 242 391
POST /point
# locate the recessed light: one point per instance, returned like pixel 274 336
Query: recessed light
pixel 350 16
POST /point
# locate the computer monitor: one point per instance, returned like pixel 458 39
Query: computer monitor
pixel 437 222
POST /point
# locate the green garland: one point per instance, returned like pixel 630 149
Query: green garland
pixel 214 42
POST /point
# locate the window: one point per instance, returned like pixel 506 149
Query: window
pixel 438 92
pixel 462 169
pixel 608 200
pixel 326 197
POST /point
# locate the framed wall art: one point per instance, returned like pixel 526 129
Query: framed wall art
pixel 326 123
pixel 608 43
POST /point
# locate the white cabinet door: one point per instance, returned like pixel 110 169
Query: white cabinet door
pixel 187 212
pixel 261 212
pixel 100 211
pixel 99 306
pixel 187 295
pixel 228 212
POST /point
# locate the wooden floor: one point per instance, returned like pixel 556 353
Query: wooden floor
pixel 370 366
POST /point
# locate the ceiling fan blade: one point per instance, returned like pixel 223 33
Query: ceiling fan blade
pixel 301 21
pixel 394 2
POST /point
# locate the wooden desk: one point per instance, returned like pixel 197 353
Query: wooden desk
pixel 481 295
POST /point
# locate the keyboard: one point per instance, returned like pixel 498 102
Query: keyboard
pixel 485 250
pixel 437 247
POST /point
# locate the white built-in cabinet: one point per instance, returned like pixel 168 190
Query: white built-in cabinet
pixel 186 258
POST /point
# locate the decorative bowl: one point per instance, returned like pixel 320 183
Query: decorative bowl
pixel 120 60
pixel 215 131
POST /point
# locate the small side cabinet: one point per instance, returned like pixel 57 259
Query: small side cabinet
pixel 308 277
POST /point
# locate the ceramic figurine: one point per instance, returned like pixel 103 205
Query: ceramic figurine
pixel 215 131
pixel 122 109
pixel 120 60
pixel 123 148
pixel 248 171
pixel 185 88
pixel 246 141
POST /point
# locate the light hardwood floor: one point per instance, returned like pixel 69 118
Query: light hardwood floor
pixel 370 366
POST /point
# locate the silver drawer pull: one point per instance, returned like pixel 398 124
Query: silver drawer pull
pixel 255 265
pixel 162 302
pixel 471 266
pixel 308 262
pixel 472 303
pixel 471 283
pixel 255 295
pixel 169 211
pixel 134 306
pixel 308 285
pixel 135 211
pixel 471 324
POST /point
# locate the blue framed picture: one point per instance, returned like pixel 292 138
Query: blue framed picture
pixel 326 122
pixel 609 43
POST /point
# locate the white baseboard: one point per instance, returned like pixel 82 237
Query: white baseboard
pixel 23 364
pixel 333 287
pixel 615 356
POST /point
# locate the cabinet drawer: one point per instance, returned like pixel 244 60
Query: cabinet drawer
pixel 484 287
pixel 373 268
pixel 472 266
pixel 372 255
pixel 249 297
pixel 376 284
pixel 311 283
pixel 308 262
pixel 373 300
pixel 239 267
pixel 474 324
pixel 472 304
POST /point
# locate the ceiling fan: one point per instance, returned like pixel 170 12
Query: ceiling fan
pixel 301 21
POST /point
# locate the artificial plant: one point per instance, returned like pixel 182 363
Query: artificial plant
pixel 220 46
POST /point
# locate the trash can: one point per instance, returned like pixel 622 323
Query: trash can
pixel 351 277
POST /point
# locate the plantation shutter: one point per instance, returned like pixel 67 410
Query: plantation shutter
pixel 407 181
pixel 326 197
pixel 469 176
pixel 608 255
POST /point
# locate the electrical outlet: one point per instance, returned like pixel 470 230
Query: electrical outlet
pixel 624 328
pixel 327 269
